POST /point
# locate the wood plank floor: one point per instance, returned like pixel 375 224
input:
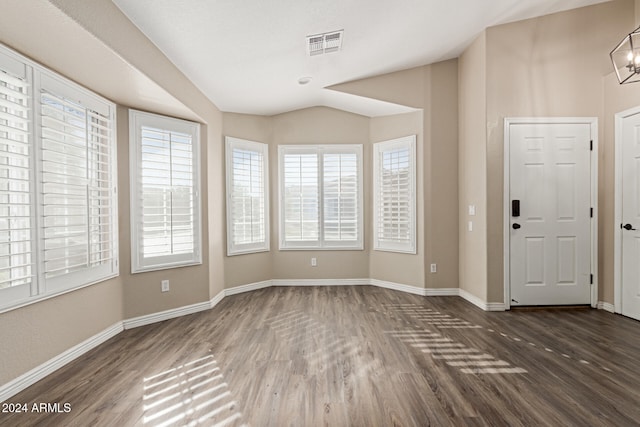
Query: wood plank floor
pixel 359 356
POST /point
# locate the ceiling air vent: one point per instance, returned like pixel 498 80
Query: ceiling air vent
pixel 324 43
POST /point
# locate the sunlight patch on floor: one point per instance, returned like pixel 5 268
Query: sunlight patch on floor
pixel 191 394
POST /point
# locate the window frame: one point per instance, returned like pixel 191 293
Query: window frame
pixel 232 143
pixel 137 120
pixel 40 79
pixel 321 244
pixel 409 247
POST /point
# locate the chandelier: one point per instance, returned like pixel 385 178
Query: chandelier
pixel 626 58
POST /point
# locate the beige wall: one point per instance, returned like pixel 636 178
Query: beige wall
pixel 472 167
pixel 548 66
pixel 38 332
pixel 318 125
pixel 250 268
pixel 433 89
pixel 141 291
pixel 321 126
pixel 389 266
pixel 441 174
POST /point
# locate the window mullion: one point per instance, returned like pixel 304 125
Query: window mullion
pixel 171 190
pixel 38 196
pixel 87 159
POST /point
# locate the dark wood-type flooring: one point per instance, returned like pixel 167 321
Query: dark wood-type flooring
pixel 359 356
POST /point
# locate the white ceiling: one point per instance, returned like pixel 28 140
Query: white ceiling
pixel 247 55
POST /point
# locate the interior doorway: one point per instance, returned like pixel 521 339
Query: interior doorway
pixel 627 224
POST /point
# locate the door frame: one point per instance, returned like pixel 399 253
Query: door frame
pixel 617 215
pixel 506 221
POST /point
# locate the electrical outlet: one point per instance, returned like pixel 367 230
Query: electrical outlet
pixel 434 268
pixel 314 262
pixel 165 285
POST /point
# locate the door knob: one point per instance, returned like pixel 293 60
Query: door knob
pixel 516 226
pixel 628 227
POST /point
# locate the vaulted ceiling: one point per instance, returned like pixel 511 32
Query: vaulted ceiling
pixel 248 55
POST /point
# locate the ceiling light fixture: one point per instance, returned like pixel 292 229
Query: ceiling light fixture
pixel 626 58
pixel 304 80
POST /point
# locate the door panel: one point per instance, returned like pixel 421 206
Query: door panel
pixel 631 215
pixel 550 254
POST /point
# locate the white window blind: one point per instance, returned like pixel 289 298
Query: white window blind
pixel 321 197
pixel 77 187
pixel 394 195
pixel 16 192
pixel 58 208
pixel 164 192
pixel 247 196
pixel 341 197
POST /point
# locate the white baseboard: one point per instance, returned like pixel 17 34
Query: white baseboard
pixel 215 300
pixel 248 288
pixel 398 287
pixel 36 374
pixel 319 282
pixel 606 306
pixel 442 292
pixel 486 306
pixel 166 315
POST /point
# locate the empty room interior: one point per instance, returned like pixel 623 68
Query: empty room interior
pixel 306 213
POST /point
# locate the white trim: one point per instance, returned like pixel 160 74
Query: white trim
pixel 215 300
pixel 232 143
pixel 617 215
pixel 319 282
pixel 166 315
pixel 408 142
pixel 36 374
pixel 478 302
pixel 398 287
pixel 606 306
pixel 442 292
pixel 138 120
pixel 506 218
pixel 321 150
pixel 247 288
pixel 39 78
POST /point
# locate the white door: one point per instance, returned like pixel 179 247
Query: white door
pixel 630 227
pixel 550 236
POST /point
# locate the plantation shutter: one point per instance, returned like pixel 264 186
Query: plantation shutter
pixel 16 149
pixel 164 192
pixel 58 205
pixel 247 203
pixel 77 197
pixel 301 197
pixel 321 196
pixel 167 193
pixel 341 201
pixel 394 209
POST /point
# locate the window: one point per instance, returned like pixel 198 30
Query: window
pixel 165 187
pixel 320 197
pixel 247 196
pixel 394 205
pixel 58 207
